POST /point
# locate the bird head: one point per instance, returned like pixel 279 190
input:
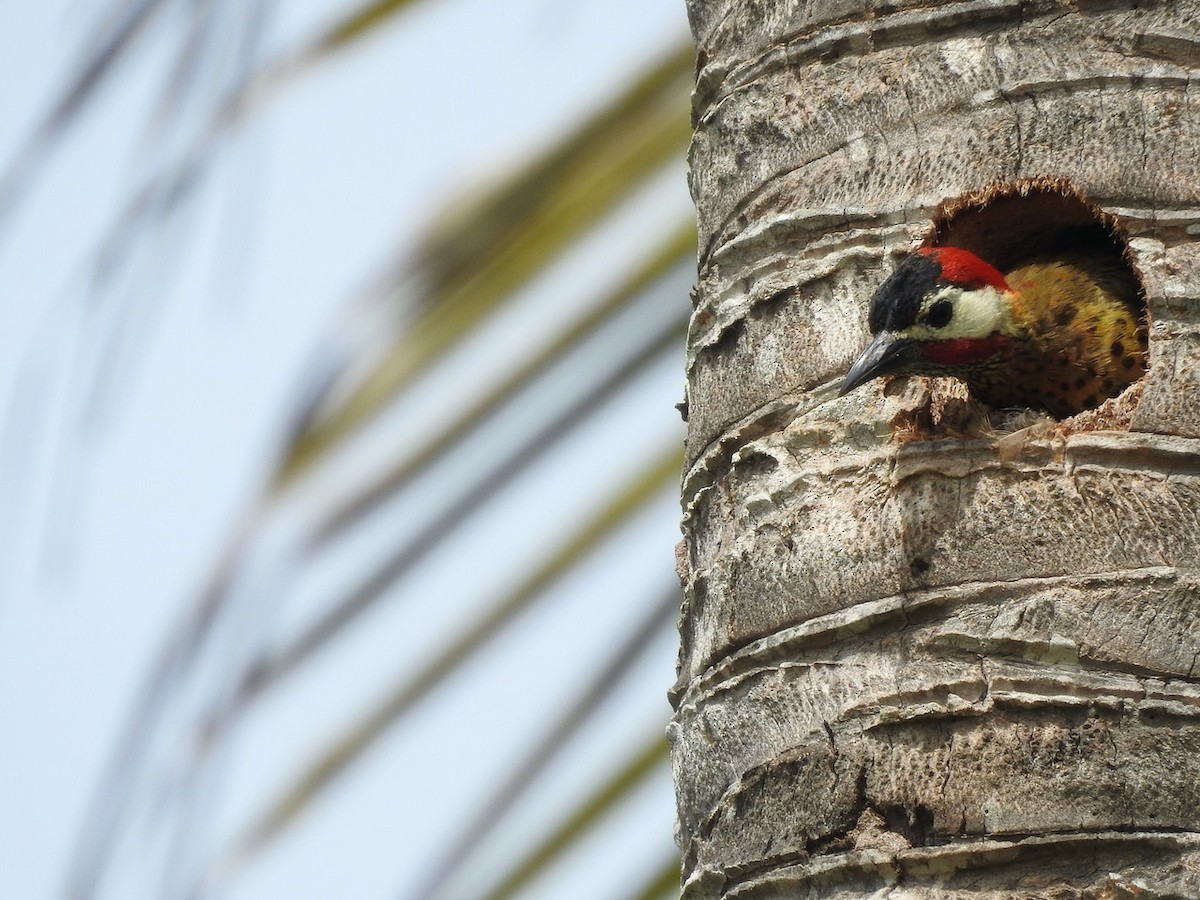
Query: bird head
pixel 944 311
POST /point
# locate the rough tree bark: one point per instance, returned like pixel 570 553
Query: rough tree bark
pixel 933 667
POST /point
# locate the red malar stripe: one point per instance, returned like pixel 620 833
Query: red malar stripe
pixel 962 351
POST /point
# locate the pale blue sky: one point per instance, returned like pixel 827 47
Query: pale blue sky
pixel 110 528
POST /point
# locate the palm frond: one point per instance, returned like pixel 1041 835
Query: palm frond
pixel 225 660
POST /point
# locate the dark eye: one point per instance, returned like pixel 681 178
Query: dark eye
pixel 940 314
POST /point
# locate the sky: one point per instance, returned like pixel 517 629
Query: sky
pixel 119 494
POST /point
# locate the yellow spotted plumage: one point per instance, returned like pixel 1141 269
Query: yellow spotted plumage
pixel 1084 340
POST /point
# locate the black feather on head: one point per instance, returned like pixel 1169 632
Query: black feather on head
pixel 895 303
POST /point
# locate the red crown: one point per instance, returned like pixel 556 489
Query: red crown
pixel 964 268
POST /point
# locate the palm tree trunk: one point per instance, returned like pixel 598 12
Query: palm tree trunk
pixel 933 666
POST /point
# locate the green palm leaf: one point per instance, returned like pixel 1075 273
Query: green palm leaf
pixel 476 259
pixel 478 256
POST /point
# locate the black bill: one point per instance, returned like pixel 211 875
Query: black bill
pixel 885 355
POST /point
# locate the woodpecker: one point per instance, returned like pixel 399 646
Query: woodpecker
pixel 1058 334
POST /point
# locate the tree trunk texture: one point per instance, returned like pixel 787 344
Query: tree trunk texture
pixel 941 667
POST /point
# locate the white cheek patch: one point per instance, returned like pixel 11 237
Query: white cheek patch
pixel 977 313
